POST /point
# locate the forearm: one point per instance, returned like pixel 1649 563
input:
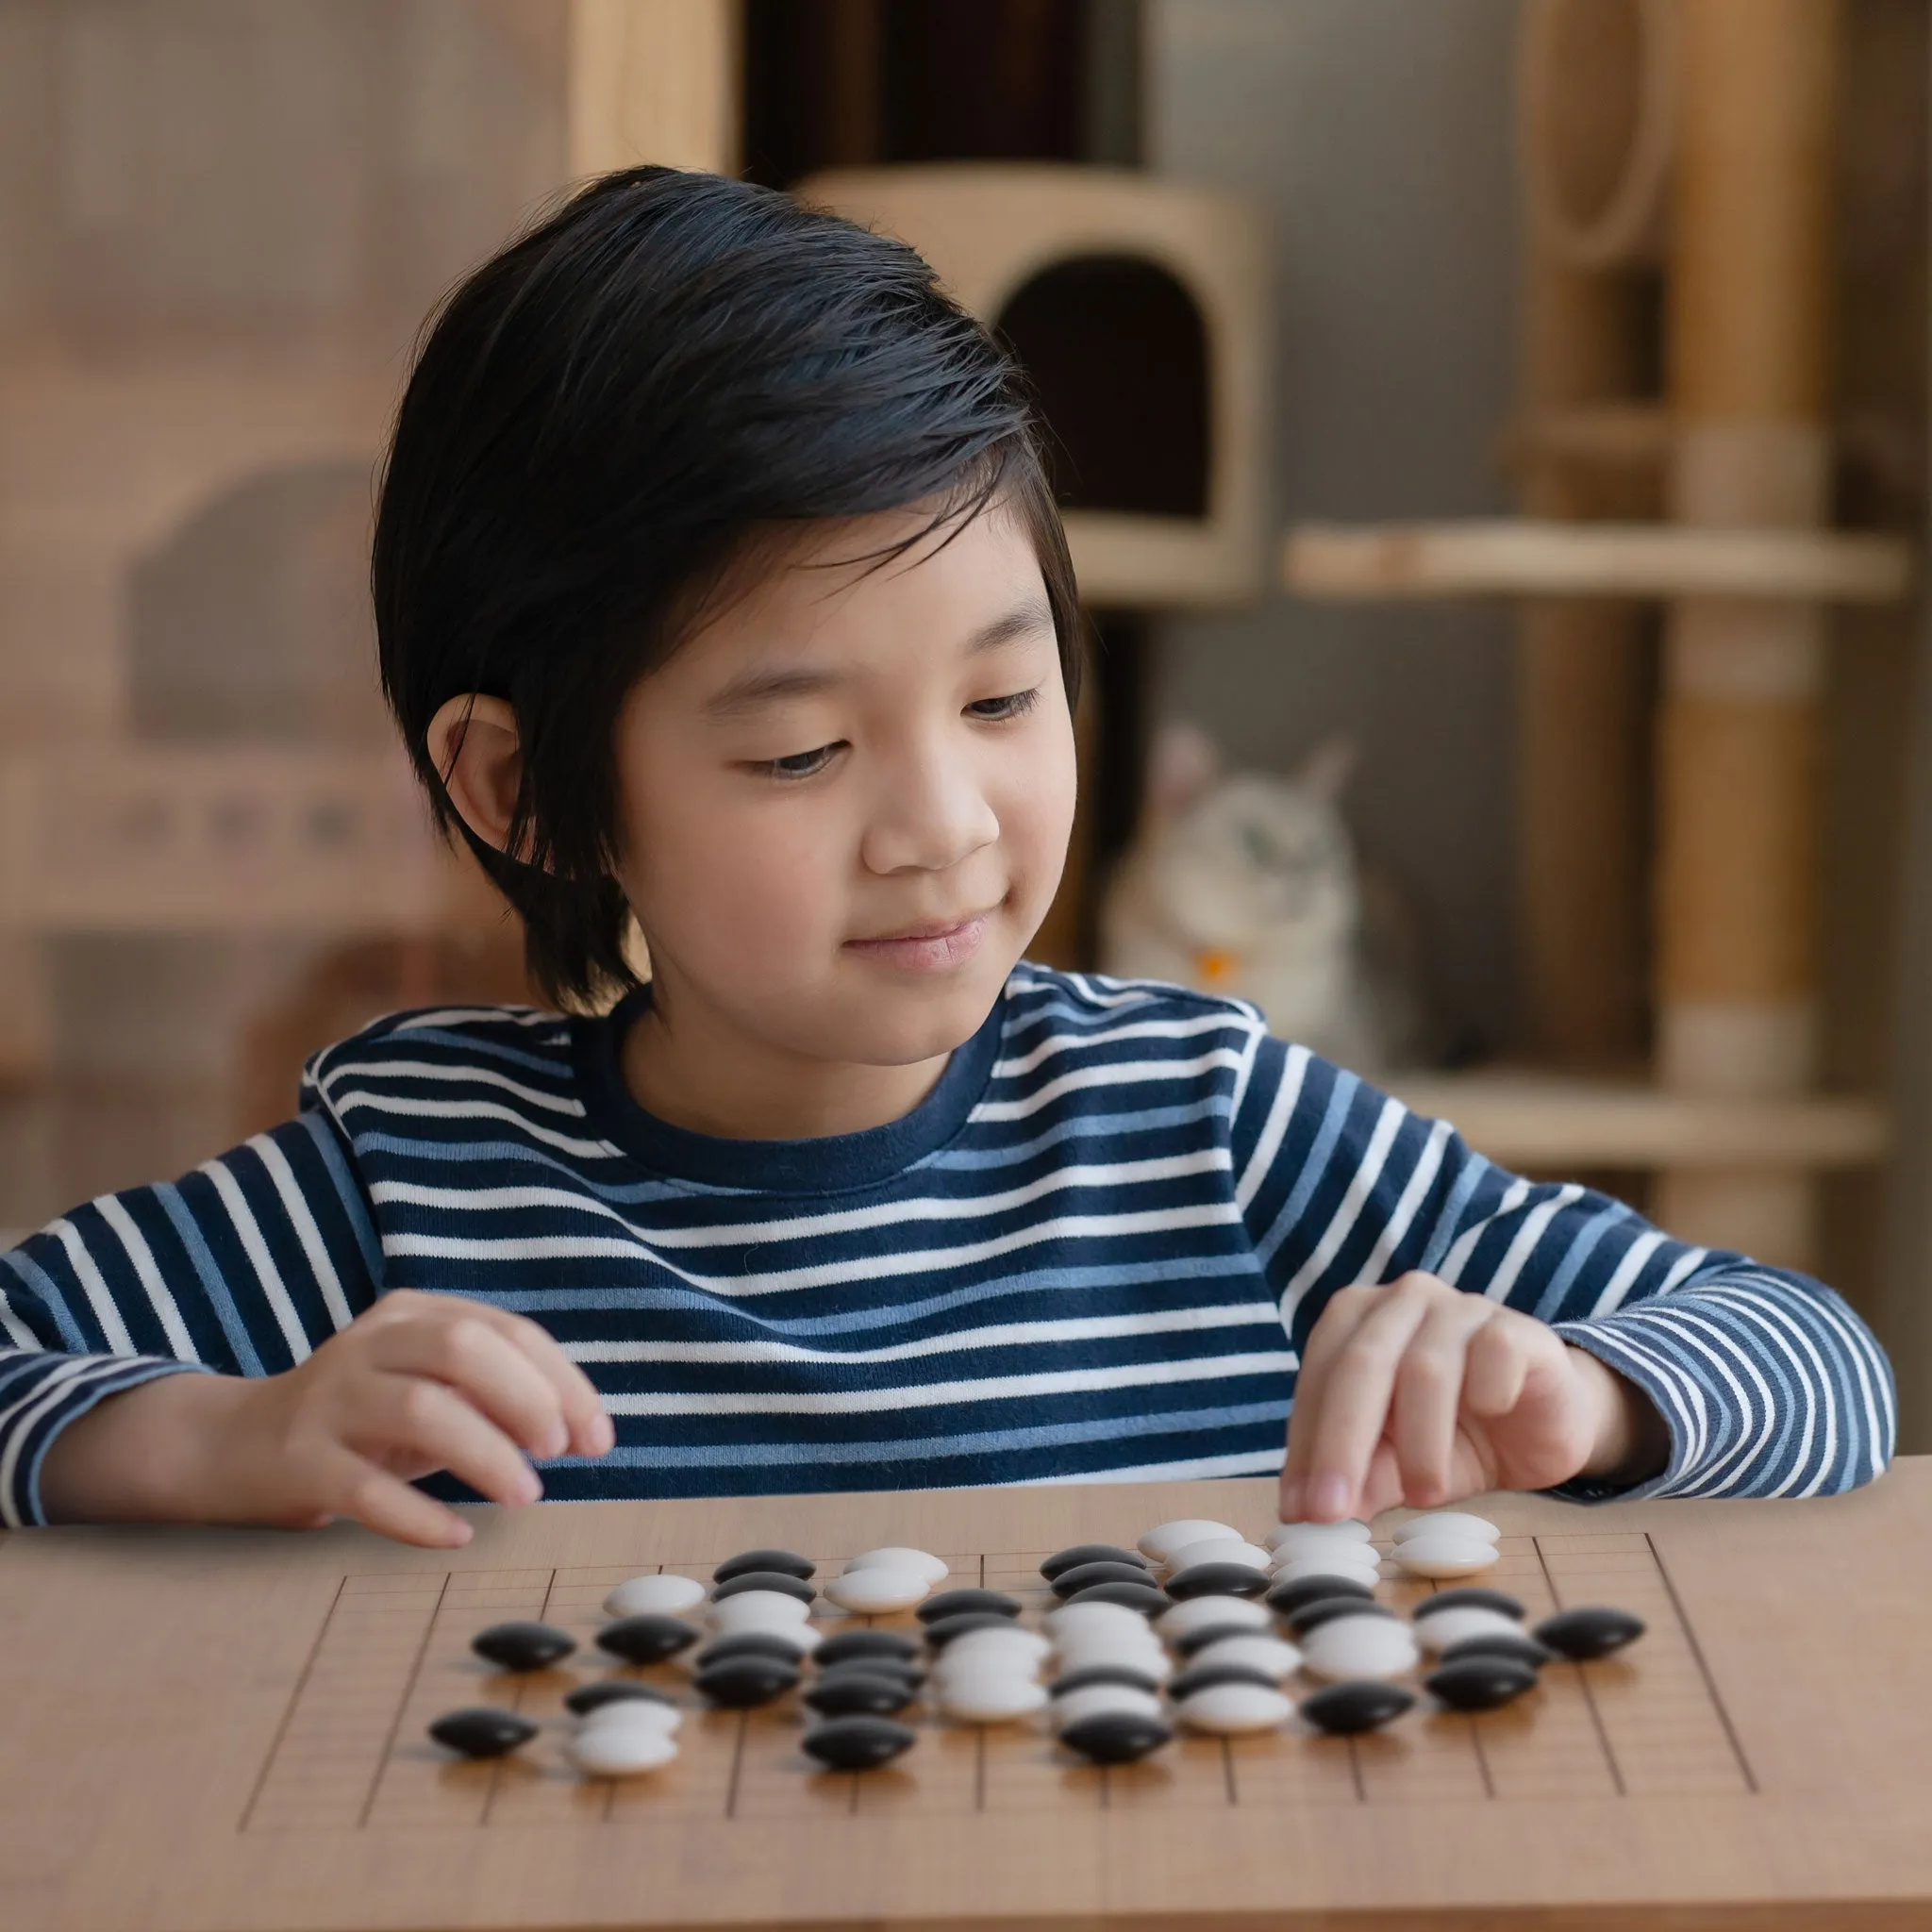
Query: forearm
pixel 142 1456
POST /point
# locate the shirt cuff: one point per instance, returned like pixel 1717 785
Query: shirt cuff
pixel 39 1396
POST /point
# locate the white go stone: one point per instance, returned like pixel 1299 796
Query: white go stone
pixel 756 1610
pixel 1231 1709
pixel 991 1696
pixel 1256 1651
pixel 1027 1647
pixel 645 1713
pixel 1443 1555
pixel 620 1749
pixel 872 1589
pixel 1359 1647
pixel 1363 1568
pixel 1090 1656
pixel 1097 1698
pixel 1447 1523
pixel 804 1638
pixel 895 1557
pixel 1097 1616
pixel 1161 1542
pixel 1220 1549
pixel 1293 1536
pixel 1441 1629
pixel 667 1597
pixel 1204 1612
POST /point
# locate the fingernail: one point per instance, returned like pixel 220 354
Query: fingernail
pixel 1293 1489
pixel 531 1487
pixel 556 1438
pixel 1327 1498
pixel 603 1434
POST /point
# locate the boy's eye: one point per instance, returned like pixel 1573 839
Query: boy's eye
pixel 1012 705
pixel 801 764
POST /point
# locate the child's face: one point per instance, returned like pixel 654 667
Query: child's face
pixel 845 802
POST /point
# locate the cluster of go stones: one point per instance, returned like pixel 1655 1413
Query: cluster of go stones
pixel 1194 1626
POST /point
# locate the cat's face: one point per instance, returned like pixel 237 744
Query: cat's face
pixel 1257 859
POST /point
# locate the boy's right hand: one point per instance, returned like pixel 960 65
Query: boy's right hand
pixel 419 1382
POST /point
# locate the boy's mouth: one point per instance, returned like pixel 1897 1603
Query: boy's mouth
pixel 932 946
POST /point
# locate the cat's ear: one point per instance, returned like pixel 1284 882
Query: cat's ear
pixel 1182 762
pixel 1328 768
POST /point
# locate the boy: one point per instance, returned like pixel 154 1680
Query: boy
pixel 718 583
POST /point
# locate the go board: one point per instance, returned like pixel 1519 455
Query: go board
pixel 208 1732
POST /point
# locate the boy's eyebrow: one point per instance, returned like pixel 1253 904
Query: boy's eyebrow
pixel 755 688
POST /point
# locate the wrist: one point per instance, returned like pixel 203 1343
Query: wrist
pixel 149 1454
pixel 1630 1439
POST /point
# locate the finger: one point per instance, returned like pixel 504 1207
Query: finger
pixel 1428 1393
pixel 458 1346
pixel 1357 1389
pixel 1498 1366
pixel 357 1488
pixel 435 1429
pixel 1346 1311
pixel 1382 1485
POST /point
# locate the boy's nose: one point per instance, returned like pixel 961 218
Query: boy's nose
pixel 931 814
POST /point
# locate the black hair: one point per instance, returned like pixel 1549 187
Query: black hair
pixel 600 420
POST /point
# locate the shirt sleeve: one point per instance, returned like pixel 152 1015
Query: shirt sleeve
pixel 1770 1384
pixel 240 1267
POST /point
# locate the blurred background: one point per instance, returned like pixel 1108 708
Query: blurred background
pixel 1494 438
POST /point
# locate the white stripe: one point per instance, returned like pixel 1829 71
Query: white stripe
pixel 1360 1186
pixel 1680 1321
pixel 473 1110
pixel 431 1070
pixel 262 1261
pixel 98 1296
pixel 1250 1462
pixel 954 1341
pixel 1399 1223
pixel 1690 1416
pixel 1863 1352
pixel 1628 1268
pixel 1126 1075
pixel 1765 1310
pixel 142 1258
pixel 313 1248
pixel 854 1268
pixel 1140 1029
pixel 1534 1225
pixel 1293 1073
pixel 16 1327
pixel 1456 1259
pixel 17 1422
pixel 942 1394
pixel 457 1016
pixel 810 1226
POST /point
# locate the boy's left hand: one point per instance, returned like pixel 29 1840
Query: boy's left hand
pixel 1418 1392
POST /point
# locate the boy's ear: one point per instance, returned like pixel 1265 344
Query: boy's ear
pixel 473 742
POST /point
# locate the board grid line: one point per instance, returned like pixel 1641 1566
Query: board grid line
pixel 1723 1709
pixel 1596 1717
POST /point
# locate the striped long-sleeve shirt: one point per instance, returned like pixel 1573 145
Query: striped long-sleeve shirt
pixel 1094 1251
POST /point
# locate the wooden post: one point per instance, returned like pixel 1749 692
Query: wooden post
pixel 1737 893
pixel 654 81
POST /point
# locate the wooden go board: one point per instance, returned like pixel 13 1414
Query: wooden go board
pixel 201 1731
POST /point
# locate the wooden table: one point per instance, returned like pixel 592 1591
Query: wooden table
pixel 203 1732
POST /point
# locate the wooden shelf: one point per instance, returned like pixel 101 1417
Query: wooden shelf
pixel 1507 558
pixel 1550 1121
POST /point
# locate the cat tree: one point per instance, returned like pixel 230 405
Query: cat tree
pixel 1721 167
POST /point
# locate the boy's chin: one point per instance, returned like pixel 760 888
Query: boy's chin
pixel 900 1027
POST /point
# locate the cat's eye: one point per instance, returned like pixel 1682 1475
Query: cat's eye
pixel 1014 705
pixel 1260 848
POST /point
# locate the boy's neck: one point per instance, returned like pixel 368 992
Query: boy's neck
pixel 681 1064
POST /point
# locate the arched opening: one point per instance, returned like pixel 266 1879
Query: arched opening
pixel 1117 352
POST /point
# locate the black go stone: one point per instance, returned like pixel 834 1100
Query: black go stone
pixel 589 1697
pixel 482 1732
pixel 1194 1640
pixel 1586 1633
pixel 1203 1676
pixel 1085 1575
pixel 962 1623
pixel 1479 1683
pixel 782 1562
pixel 646 1639
pixel 859 1743
pixel 777 1581
pixel 858 1693
pixel 741 1682
pixel 1089 1675
pixel 767 1643
pixel 885 1666
pixel 1285 1599
pixel 1522 1650
pixel 1132 1596
pixel 1116 1737
pixel 1329 1609
pixel 848 1644
pixel 1360 1706
pixel 955 1603
pixel 1470 1597
pixel 523 1646
pixel 1217 1580
pixel 1061 1562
